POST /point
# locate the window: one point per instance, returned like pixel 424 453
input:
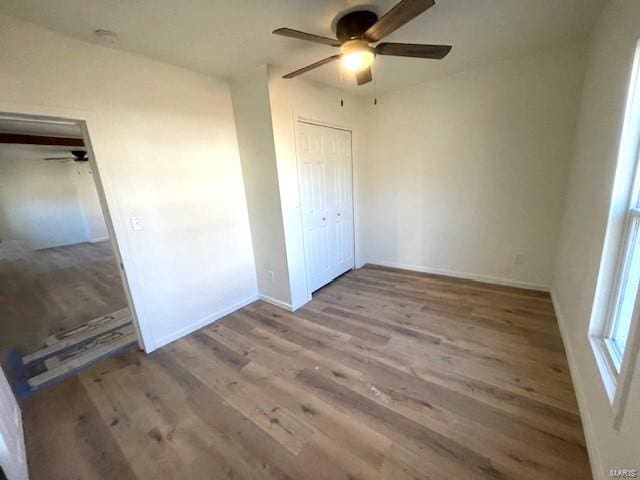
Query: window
pixel 614 331
pixel 623 300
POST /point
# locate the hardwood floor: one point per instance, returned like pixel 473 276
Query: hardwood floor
pixel 47 291
pixel 386 374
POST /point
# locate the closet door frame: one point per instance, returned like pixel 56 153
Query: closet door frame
pixel 302 119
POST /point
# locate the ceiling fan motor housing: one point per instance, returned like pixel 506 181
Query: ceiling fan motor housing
pixel 80 155
pixel 353 25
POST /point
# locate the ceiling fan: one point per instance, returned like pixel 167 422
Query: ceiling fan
pixel 356 30
pixel 78 156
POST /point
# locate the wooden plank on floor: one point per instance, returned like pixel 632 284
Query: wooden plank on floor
pixel 91 329
pixel 82 361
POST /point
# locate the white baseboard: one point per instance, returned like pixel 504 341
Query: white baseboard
pixel 99 239
pixel 161 342
pixel 277 303
pixel 296 306
pixel 587 424
pixel 468 276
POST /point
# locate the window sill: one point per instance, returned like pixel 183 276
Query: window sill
pixel 605 366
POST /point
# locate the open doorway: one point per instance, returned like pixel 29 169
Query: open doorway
pixel 63 295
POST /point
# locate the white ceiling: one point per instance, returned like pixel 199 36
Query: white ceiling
pixel 225 37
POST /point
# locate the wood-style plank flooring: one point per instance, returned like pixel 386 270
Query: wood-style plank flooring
pixel 46 291
pixel 386 374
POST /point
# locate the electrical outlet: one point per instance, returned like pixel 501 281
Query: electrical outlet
pixel 519 259
pixel 272 276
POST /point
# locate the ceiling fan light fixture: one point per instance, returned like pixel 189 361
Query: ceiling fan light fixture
pixel 356 29
pixel 356 55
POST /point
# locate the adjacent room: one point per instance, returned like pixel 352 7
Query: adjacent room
pixel 59 275
pixel 394 239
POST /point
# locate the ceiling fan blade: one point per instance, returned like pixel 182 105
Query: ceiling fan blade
pixel 309 37
pixel 311 67
pixel 59 158
pixel 364 76
pixel 416 50
pixel 401 13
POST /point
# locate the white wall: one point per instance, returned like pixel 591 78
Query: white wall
pixel 12 451
pixel 588 207
pixel 46 203
pixel 298 98
pixel 165 144
pixel 250 93
pixel 466 172
pixel 95 226
pixel 39 204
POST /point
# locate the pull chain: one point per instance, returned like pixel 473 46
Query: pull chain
pixel 375 85
pixel 341 87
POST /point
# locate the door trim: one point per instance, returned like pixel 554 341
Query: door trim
pixel 82 119
pixel 302 119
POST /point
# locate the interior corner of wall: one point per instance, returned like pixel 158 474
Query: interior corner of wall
pixel 270 69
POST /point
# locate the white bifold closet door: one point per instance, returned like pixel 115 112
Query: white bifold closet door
pixel 324 174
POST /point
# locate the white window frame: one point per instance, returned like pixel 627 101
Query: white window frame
pixel 631 242
pixel 622 238
pixel 615 366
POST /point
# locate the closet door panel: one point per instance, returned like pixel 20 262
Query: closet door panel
pixel 324 170
pixel 312 173
pixel 343 203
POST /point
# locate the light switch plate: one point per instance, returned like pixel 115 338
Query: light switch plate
pixel 136 223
